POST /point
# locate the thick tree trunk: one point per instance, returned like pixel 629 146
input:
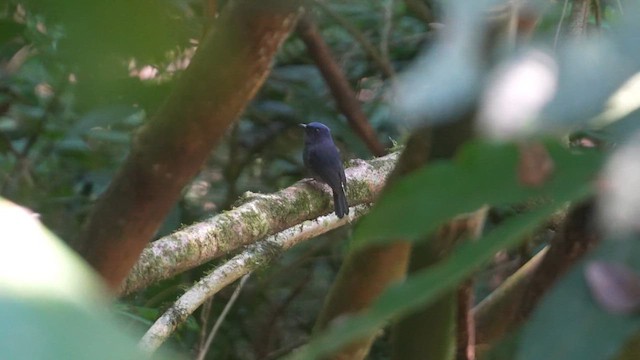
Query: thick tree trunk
pixel 229 67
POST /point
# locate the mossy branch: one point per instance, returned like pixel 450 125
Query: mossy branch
pixel 255 256
pixel 259 216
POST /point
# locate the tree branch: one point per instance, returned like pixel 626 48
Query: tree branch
pixel 385 67
pixel 258 217
pixel 579 17
pixel 341 90
pixel 229 67
pixel 512 303
pixel 254 257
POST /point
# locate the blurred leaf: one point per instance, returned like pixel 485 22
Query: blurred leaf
pixel 110 136
pixel 426 285
pixel 103 117
pixel 482 173
pixel 620 200
pixel 614 286
pixel 447 79
pixel 9 29
pixel 52 305
pixel 570 325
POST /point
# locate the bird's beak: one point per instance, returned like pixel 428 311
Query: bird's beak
pixel 302 125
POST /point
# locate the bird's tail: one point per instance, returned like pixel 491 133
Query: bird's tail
pixel 340 202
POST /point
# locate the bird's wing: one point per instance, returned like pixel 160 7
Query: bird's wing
pixel 324 162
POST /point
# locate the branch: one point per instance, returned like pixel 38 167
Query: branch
pixel 258 217
pixel 495 312
pixel 205 349
pixel 385 67
pixel 229 67
pixel 518 296
pixel 341 90
pixel 579 17
pixel 254 257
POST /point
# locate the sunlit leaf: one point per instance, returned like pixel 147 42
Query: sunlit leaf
pixel 52 306
pixel 620 200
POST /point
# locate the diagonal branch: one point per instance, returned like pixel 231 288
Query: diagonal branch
pixel 255 256
pixel 513 302
pixel 259 216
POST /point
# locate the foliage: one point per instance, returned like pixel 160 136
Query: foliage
pixel 77 78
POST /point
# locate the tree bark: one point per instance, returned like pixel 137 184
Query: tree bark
pixel 258 216
pixel 229 67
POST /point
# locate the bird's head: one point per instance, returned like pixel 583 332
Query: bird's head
pixel 316 131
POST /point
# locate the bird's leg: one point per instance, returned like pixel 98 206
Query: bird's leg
pixel 317 184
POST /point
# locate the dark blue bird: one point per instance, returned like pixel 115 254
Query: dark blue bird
pixel 322 159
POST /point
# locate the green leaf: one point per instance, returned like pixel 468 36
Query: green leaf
pixel 569 324
pixel 482 173
pixel 51 304
pixel 425 286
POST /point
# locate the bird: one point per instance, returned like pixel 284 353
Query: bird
pixel 322 159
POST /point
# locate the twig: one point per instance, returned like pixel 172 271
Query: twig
pixel 255 256
pixel 466 332
pixel 343 94
pixel 579 17
pixel 387 25
pixel 204 318
pixel 502 303
pixel 222 316
pixel 259 216
pixel 597 13
pixel 559 28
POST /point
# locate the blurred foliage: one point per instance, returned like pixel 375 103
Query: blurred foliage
pixel 78 77
pixel 53 291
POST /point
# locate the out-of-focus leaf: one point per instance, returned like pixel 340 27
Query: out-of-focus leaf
pixel 117 137
pixel 560 93
pixel 104 117
pixel 614 286
pixel 9 29
pixel 483 173
pixel 51 304
pixel 516 93
pixel 582 64
pixel 588 331
pixel 425 286
pixel 447 79
pixel 620 201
